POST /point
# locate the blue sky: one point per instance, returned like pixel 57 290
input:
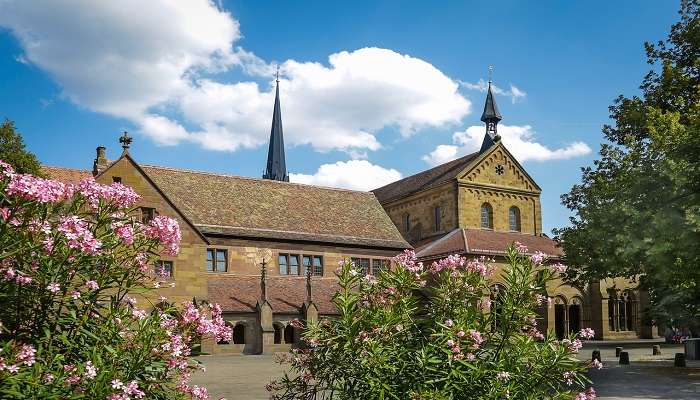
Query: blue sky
pixel 194 84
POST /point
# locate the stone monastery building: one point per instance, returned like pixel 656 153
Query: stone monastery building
pixel 266 249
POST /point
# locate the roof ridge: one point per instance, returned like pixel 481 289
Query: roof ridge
pixel 254 179
pixel 66 168
pixel 455 162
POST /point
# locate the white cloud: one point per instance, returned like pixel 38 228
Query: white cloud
pixel 516 94
pixel 520 141
pixel 352 174
pixel 155 63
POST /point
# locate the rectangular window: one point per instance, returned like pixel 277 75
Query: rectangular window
pixel 117 179
pixel 378 265
pixel 318 265
pixel 283 263
pixel 217 260
pixel 306 260
pixel 163 269
pixel 362 264
pixel 407 222
pixel 293 265
pixel 438 215
pixel 147 214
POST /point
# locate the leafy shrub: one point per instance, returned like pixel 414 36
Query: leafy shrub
pixel 434 333
pixel 72 263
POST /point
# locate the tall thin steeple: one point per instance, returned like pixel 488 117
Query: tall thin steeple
pixel 276 165
pixel 491 117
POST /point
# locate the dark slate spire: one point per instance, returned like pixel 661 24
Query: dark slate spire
pixel 491 117
pixel 276 166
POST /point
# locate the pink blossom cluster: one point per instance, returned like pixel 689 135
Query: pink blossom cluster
pixel 538 258
pixel 535 333
pixel 29 187
pixel 167 231
pixel 587 395
pixel 216 327
pixel 75 229
pixel 124 231
pixel 559 268
pixel 521 248
pixel 451 262
pixel 409 261
pixel 479 266
pixel 476 338
pixel 117 194
pixel 597 364
pixel 9 274
pixel 587 333
pixel 573 345
pixel 126 391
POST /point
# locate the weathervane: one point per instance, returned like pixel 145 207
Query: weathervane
pixel 490 73
pixel 278 74
pixel 125 140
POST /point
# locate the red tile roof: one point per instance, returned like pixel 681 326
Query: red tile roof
pixel 485 242
pixel 66 175
pixel 424 180
pixel 285 294
pixel 261 208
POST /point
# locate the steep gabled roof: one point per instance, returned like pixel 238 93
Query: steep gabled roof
pixel 487 242
pixel 424 180
pixel 65 175
pixel 262 208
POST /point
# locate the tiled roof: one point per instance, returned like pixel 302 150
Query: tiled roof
pixel 424 180
pixel 66 175
pixel 234 205
pixel 485 242
pixel 285 294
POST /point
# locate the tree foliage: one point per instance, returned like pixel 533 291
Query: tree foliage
pixel 416 333
pixel 637 210
pixel 12 150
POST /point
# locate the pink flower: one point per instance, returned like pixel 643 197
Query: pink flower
pixel 167 231
pixel 53 287
pixel 573 346
pixel 199 393
pixel 76 230
pixel 449 323
pixel 461 334
pixel 124 231
pixel 90 370
pixel 476 337
pixel 75 295
pixel 30 187
pixel 408 260
pixel 117 384
pixel 92 285
pixel 521 248
pixel 597 364
pixel 538 258
pixel 587 333
pixel 450 343
pixel 116 193
pixel 23 280
pixel 12 368
pixel 4 213
pixel 26 355
pixel 587 395
pixel 471 356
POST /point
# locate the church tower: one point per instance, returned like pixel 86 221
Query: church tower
pixel 491 117
pixel 276 167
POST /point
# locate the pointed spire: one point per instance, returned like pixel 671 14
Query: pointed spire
pixel 491 117
pixel 276 165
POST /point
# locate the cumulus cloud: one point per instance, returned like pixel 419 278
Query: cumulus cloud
pixel 158 69
pixel 515 93
pixel 520 141
pixel 352 174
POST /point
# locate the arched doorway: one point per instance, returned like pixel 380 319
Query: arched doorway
pixel 278 332
pixel 575 314
pixel 289 334
pixel 560 317
pixel 239 334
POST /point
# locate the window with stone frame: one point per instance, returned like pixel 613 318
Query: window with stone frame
pixel 147 214
pixel 117 179
pixel 315 263
pixel 288 264
pixel 486 216
pixel 514 219
pixel 217 260
pixel 362 264
pixel 163 269
pixel 379 264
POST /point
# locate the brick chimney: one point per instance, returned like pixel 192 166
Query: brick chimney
pixel 100 162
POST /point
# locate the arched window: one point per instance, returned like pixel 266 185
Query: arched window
pixel 514 219
pixel 278 333
pixel 497 292
pixel 289 334
pixel 486 216
pixel 560 321
pixel 239 334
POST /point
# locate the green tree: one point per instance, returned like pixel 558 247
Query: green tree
pixel 12 150
pixel 637 210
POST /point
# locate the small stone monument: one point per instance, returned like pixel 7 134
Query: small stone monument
pixel 679 360
pixel 596 355
pixel 624 358
pixel 656 350
pixel 618 350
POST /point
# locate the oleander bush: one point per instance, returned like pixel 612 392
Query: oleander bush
pixel 75 275
pixel 434 333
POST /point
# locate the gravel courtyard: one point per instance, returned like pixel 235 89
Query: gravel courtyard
pixel 649 377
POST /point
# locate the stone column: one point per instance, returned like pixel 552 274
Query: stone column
pixel 267 336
